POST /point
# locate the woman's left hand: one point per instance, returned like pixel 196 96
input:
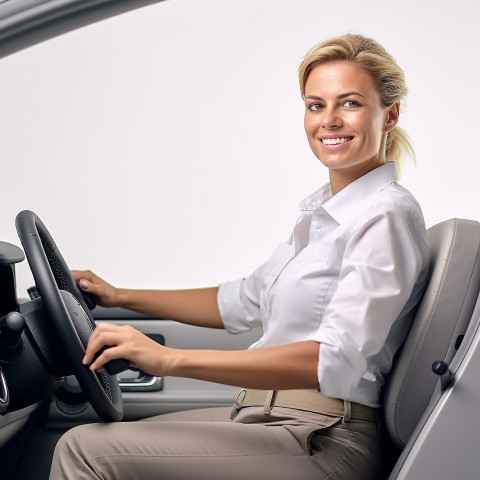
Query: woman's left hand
pixel 126 342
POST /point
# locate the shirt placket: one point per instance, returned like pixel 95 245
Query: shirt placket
pixel 301 240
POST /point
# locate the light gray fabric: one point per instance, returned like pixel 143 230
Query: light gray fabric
pixel 442 317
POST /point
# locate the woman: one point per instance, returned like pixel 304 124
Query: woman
pixel 335 302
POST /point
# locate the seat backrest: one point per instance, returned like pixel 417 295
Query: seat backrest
pixel 438 326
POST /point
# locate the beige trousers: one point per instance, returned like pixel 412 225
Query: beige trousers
pixel 211 444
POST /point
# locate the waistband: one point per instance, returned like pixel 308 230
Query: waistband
pixel 309 400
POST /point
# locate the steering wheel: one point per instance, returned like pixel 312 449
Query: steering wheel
pixel 69 314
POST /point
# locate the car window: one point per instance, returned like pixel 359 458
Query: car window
pixel 165 147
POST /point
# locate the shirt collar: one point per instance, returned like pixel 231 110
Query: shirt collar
pixel 347 201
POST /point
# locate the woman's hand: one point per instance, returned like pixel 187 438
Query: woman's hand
pixel 104 293
pixel 126 342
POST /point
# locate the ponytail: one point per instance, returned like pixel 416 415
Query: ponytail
pixel 399 149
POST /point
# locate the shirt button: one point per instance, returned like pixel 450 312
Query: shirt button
pixel 317 226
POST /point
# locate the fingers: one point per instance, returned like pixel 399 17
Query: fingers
pixel 76 274
pixel 113 336
pixel 84 278
pixel 105 294
pixel 128 343
pixel 83 274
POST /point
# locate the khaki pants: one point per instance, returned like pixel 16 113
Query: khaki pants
pixel 205 444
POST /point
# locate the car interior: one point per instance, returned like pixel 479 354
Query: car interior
pixel 43 393
pixel 43 340
pixel 428 401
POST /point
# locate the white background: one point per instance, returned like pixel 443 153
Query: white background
pixel 164 148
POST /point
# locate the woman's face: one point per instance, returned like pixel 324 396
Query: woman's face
pixel 344 119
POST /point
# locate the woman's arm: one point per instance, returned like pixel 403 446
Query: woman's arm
pixel 195 307
pixel 282 367
pixel 272 368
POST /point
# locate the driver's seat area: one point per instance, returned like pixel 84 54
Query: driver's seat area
pixel 438 327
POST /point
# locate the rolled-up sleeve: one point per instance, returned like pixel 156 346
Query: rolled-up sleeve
pixel 239 303
pixel 381 265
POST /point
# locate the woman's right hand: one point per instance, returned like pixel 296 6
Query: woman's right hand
pixel 104 293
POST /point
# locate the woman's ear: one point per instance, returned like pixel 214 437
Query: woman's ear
pixel 392 117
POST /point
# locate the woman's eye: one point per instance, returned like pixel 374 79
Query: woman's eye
pixel 351 104
pixel 315 106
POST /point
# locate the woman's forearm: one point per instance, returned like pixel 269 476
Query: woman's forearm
pixel 273 368
pixel 195 307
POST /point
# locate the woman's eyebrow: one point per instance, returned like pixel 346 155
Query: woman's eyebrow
pixel 342 95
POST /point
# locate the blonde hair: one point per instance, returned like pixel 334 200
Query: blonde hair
pixel 384 70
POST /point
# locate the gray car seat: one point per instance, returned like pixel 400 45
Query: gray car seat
pixel 438 327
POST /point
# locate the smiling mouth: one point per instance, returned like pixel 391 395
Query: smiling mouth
pixel 335 141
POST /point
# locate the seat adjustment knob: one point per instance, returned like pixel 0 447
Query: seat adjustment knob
pixel 441 369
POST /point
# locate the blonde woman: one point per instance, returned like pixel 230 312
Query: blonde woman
pixel 335 302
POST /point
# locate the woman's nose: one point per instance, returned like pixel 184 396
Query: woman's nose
pixel 331 119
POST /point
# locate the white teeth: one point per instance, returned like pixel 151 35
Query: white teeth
pixel 335 141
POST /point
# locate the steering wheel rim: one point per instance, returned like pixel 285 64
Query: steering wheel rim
pixel 49 269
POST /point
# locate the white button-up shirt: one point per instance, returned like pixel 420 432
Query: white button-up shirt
pixel 348 278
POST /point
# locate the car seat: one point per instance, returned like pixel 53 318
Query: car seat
pixel 437 330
